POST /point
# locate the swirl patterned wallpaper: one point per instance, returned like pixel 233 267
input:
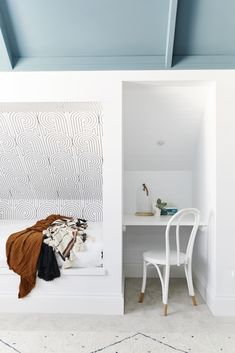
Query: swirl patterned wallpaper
pixel 51 160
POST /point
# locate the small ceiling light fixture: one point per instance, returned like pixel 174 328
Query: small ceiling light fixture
pixel 160 142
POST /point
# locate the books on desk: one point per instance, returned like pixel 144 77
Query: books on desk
pixel 169 211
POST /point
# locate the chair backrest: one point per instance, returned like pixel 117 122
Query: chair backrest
pixel 191 214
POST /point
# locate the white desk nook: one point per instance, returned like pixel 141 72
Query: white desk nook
pixel 161 221
pixel 163 259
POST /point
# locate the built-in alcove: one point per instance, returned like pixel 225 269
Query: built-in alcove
pixel 51 162
pixel 91 140
pixel 169 144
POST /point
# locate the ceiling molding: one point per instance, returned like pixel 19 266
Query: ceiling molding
pixel 204 62
pixel 5 51
pixel 148 62
pixel 171 32
pixel 184 62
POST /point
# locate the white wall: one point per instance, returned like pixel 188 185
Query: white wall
pixel 166 185
pixel 204 198
pixel 106 87
pixel 225 192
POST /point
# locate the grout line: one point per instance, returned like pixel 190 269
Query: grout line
pixel 139 334
pixel 8 345
pixel 160 342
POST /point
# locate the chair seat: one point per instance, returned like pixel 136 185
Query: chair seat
pixel 159 257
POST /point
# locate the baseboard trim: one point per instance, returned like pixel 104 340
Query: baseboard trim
pixel 200 285
pixel 93 304
pixel 218 305
pixel 223 306
pixel 206 293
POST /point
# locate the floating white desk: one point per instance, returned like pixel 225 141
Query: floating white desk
pixel 132 220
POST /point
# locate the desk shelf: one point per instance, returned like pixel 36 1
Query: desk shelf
pixel 132 220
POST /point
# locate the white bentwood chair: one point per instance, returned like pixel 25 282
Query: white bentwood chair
pixel 163 260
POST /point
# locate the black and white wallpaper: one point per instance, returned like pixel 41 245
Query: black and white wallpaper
pixel 51 162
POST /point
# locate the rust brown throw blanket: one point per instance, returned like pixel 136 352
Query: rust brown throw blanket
pixel 23 249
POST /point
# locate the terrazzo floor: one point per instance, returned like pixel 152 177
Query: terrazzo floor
pixel 142 329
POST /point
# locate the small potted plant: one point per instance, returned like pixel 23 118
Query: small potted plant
pixel 159 208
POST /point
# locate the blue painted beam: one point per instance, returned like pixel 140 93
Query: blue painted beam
pixel 6 59
pixel 170 33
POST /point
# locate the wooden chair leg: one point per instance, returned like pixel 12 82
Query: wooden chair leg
pixel 194 300
pixel 141 297
pixel 165 309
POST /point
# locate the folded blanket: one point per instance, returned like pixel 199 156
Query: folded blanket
pixel 48 268
pixel 23 249
pixel 66 237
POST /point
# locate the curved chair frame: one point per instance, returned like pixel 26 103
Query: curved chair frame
pixel 165 274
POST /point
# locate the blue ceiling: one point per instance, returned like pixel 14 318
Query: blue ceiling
pixel 116 34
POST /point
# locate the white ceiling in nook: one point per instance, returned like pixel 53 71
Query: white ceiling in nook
pixel 167 113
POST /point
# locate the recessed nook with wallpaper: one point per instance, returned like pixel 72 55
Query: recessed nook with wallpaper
pixel 169 144
pixel 52 163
